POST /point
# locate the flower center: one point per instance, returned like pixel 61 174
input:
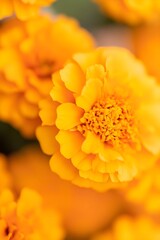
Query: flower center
pixel 112 120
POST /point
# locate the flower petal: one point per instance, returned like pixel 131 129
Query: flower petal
pixel 49 145
pixel 48 111
pixel 82 161
pixel 108 154
pixel 96 71
pixel 91 143
pixel 87 59
pixel 70 142
pixel 68 116
pixel 73 77
pixel 150 127
pixel 59 92
pixel 62 166
pixel 91 92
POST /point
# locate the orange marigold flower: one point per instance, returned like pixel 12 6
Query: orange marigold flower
pixel 145 191
pixel 29 53
pixel 23 9
pixel 101 123
pixel 131 11
pixel 84 211
pixel 5 178
pixel 129 228
pixel 25 218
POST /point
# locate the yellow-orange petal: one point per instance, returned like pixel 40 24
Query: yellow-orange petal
pixel 94 176
pixel 70 142
pixel 96 71
pixel 91 92
pixel 86 60
pixel 91 143
pixel 82 161
pixel 59 92
pixel 150 137
pixel 73 77
pixel 49 145
pixel 62 166
pixel 68 116
pixel 48 111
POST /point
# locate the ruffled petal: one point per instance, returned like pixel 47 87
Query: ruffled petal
pixel 62 166
pixel 150 127
pixel 49 145
pixel 48 111
pixel 91 143
pixel 59 92
pixel 91 92
pixel 68 116
pixel 70 142
pixel 73 77
pixel 87 59
pixel 96 71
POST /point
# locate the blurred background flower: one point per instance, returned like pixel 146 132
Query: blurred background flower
pixel 84 211
pixel 30 52
pixel 131 11
pixel 25 218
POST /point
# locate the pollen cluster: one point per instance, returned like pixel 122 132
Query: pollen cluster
pixel 112 120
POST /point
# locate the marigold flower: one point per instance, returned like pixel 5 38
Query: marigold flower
pixel 25 218
pixel 129 228
pixel 101 123
pixel 23 9
pixel 29 53
pixel 83 212
pixel 5 178
pixel 131 11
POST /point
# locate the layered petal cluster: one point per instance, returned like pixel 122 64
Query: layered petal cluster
pixel 131 11
pixel 101 123
pixel 24 9
pixel 129 228
pixel 145 191
pixel 84 211
pixel 29 53
pixel 5 178
pixel 26 219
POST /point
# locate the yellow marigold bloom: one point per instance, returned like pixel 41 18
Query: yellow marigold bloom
pixel 26 219
pixel 145 191
pixel 101 123
pixel 5 178
pixel 148 50
pixel 84 211
pixel 129 228
pixel 29 53
pixel 131 11
pixel 23 9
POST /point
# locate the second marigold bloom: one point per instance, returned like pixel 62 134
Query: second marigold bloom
pixel 132 11
pixel 101 123
pixel 29 53
pixel 26 218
